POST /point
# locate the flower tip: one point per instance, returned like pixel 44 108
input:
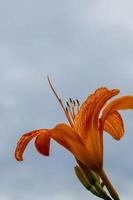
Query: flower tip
pixel 18 156
pixel 19 159
pixel 118 137
pixel 115 91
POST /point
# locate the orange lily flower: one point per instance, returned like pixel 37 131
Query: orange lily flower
pixel 84 136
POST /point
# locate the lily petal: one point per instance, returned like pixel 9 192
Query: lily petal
pixel 63 134
pixel 87 122
pixel 122 103
pixel 114 125
pixel 42 142
pixel 69 138
pixel 23 142
pixel 91 108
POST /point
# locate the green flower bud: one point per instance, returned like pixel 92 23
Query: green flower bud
pixel 85 181
pixel 91 181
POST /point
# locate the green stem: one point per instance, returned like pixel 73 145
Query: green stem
pixel 108 184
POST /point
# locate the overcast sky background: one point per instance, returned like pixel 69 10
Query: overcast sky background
pixel 82 45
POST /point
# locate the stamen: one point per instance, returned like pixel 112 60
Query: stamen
pixel 78 105
pixel 60 102
pixel 66 109
pixel 69 110
pixel 72 107
pixel 78 102
pixel 68 104
pixel 74 103
pixel 70 100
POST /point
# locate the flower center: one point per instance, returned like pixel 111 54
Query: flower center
pixel 72 108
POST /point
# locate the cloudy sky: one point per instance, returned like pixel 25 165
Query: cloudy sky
pixel 82 45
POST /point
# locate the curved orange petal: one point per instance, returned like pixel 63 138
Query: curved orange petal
pixel 24 140
pixel 122 103
pixel 71 140
pixel 91 108
pixel 64 135
pixel 114 125
pixel 87 121
pixel 42 142
pixel 68 137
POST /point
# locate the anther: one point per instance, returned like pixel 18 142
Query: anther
pixel 66 109
pixel 74 103
pixel 68 104
pixel 78 102
pixel 70 100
